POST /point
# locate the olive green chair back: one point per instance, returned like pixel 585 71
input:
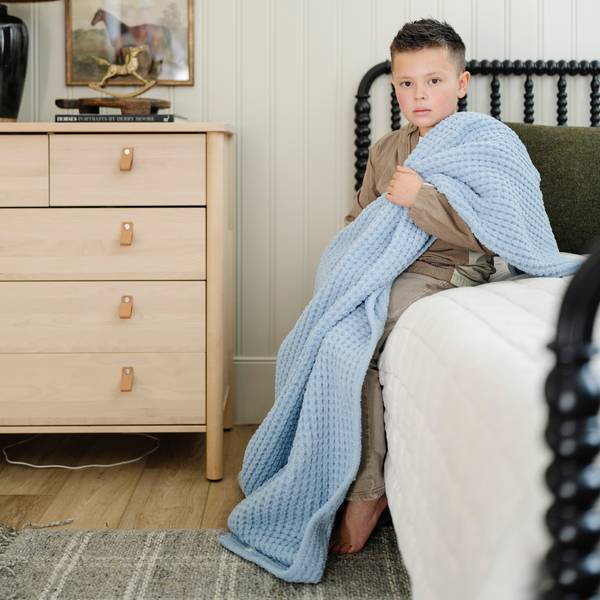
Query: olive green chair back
pixel 568 160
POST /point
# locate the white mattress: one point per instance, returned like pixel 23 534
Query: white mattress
pixel 463 375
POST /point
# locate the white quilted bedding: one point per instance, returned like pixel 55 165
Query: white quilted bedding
pixel 463 375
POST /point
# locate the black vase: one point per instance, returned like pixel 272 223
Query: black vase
pixel 14 42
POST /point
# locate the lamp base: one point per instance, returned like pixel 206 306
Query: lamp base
pixel 14 41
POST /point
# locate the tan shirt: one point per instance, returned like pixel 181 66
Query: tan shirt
pixel 456 255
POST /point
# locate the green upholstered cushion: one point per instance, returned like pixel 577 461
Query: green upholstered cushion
pixel 568 160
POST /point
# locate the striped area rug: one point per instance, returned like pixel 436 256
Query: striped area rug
pixel 179 564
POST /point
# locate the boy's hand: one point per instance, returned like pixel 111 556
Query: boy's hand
pixel 404 187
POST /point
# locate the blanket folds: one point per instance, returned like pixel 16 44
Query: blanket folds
pixel 302 459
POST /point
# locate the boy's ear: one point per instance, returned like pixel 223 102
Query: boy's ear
pixel 463 83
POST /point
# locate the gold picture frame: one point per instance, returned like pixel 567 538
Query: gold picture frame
pixel 164 27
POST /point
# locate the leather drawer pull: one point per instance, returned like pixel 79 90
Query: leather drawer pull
pixel 126 234
pixel 126 307
pixel 126 159
pixel 127 379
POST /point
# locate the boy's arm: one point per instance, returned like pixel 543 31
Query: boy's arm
pixel 430 210
pixel 366 194
pixel 432 213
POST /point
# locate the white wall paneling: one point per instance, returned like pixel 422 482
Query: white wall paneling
pixel 284 73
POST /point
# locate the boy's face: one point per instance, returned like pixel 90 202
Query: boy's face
pixel 427 86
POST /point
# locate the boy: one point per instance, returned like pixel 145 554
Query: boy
pixel 428 75
pixel 305 459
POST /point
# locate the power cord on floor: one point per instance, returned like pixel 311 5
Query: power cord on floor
pixel 126 462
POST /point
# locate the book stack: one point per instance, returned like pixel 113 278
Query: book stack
pixel 92 118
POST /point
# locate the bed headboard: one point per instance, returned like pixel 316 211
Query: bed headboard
pixel 562 68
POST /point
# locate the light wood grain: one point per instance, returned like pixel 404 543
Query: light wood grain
pixel 224 495
pixel 96 498
pixel 156 503
pixel 75 389
pixel 167 316
pixel 17 510
pixel 63 350
pixel 219 329
pixel 168 169
pixel 43 450
pixel 84 244
pixel 24 170
pixel 168 488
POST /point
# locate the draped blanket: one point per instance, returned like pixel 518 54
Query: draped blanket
pixel 302 459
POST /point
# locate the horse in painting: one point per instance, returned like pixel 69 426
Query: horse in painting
pixel 123 36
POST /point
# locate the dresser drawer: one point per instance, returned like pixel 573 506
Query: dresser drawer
pixel 64 316
pixel 80 389
pixel 167 169
pixel 85 244
pixel 23 170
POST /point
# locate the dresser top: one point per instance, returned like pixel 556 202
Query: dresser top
pixel 24 127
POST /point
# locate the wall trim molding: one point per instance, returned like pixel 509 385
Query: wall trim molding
pixel 254 359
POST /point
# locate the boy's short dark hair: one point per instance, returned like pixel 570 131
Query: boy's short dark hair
pixel 429 33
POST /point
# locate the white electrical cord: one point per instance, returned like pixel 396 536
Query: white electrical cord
pixel 14 462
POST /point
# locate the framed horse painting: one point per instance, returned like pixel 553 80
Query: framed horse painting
pixel 107 29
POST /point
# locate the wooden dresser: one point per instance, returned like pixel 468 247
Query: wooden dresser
pixel 116 304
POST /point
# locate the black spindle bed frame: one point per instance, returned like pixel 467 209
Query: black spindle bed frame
pixel 572 391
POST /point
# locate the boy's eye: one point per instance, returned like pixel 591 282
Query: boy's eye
pixel 434 80
pixel 405 84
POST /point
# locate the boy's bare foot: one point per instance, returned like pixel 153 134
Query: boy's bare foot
pixel 357 522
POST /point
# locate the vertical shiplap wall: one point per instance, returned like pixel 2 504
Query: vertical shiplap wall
pixel 284 73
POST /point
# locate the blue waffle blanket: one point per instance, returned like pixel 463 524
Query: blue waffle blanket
pixel 302 459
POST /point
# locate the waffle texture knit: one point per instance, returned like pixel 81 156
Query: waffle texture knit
pixel 304 456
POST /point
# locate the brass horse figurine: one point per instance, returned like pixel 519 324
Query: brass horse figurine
pixel 122 36
pixel 129 68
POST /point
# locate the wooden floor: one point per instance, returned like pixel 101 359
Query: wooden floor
pixel 166 490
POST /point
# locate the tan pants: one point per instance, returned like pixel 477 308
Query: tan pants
pixel 369 484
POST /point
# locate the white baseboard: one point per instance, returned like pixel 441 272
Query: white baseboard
pixel 254 388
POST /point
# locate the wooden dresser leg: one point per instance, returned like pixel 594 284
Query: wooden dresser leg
pixel 214 449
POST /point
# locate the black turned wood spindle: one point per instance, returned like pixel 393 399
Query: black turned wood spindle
pixel 594 69
pixel 574 68
pixel 462 104
pixel 595 103
pixel 529 70
pixel 561 110
pixel 518 68
pixel 495 68
pixel 473 66
pixel 495 103
pixel 573 396
pixel 562 69
pixel 395 111
pixel 528 100
pixel 362 119
pixel 551 67
pixel 362 110
pixel 585 68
